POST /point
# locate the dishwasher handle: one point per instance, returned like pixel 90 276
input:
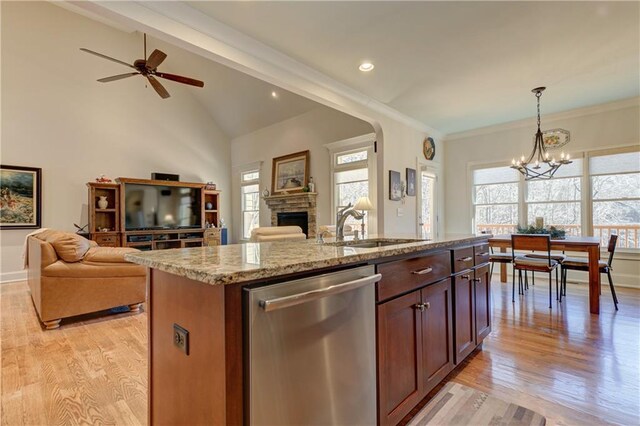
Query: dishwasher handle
pixel 297 299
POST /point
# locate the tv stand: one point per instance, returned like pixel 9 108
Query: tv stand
pixel 107 224
pixel 159 239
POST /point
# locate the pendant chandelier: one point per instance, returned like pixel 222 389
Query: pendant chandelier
pixel 540 164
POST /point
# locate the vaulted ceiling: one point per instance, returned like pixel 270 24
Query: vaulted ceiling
pixel 457 65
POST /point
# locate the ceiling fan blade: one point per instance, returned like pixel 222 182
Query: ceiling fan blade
pixel 155 59
pixel 107 57
pixel 117 77
pixel 181 79
pixel 159 88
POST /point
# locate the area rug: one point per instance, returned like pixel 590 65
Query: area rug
pixel 457 404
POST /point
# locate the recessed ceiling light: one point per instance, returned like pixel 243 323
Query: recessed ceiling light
pixel 366 66
pixel 274 94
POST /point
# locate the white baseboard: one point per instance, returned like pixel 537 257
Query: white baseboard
pixel 9 277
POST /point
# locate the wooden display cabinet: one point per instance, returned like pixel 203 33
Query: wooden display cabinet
pixel 211 206
pixel 104 223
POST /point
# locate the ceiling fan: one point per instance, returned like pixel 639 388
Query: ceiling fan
pixel 148 68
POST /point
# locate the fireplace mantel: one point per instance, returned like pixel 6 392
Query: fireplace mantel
pixel 291 203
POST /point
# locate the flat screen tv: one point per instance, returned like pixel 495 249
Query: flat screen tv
pixel 161 207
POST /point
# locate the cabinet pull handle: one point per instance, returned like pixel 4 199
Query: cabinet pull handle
pixel 484 253
pixel 465 259
pixel 477 280
pixel 465 277
pixel 423 271
pixel 427 305
pixel 419 306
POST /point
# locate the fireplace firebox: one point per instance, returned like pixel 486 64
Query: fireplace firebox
pixel 300 219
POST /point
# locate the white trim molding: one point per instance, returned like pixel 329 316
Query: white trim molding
pixel 9 277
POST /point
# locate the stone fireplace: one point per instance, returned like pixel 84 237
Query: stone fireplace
pixel 294 209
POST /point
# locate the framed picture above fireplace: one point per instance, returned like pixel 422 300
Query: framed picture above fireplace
pixel 290 173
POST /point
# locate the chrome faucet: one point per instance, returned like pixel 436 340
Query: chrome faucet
pixel 342 216
pixel 320 237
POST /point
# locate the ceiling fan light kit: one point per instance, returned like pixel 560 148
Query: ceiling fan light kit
pixel 540 164
pixel 148 68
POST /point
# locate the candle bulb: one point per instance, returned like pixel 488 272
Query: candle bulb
pixel 513 161
pixel 562 155
pixel 568 156
pixel 522 159
pixel 547 155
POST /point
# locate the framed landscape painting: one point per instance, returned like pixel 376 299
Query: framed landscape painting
pixel 290 173
pixel 20 197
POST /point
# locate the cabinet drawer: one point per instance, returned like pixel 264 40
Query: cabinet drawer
pixel 462 259
pixel 404 275
pixel 481 253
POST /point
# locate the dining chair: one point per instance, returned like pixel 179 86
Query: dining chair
pixel 580 264
pixel 502 258
pixel 536 243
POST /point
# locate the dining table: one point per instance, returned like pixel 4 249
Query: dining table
pixel 590 245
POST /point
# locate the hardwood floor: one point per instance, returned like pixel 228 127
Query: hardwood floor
pixel 91 371
pixel 570 366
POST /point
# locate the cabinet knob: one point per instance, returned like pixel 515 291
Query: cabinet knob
pixel 422 306
pixel 465 277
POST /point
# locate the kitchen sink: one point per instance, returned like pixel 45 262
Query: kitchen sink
pixel 373 243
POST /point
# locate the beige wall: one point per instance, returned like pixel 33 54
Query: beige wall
pixel 607 125
pixel 57 117
pixel 312 131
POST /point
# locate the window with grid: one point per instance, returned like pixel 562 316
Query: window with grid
pixel 250 200
pixel 615 194
pixel 495 200
pixel 351 180
pixel 558 200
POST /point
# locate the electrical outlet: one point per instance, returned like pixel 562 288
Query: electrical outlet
pixel 400 212
pixel 181 338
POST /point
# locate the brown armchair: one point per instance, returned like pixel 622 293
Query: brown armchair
pixel 69 275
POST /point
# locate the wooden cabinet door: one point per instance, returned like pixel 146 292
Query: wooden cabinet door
pixel 465 327
pixel 482 284
pixel 437 333
pixel 399 357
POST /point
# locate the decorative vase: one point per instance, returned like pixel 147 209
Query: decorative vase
pixel 208 206
pixel 102 202
pixel 265 193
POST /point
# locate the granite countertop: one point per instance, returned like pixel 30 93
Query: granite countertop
pixel 253 261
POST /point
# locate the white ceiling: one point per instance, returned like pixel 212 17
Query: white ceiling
pixel 457 65
pixel 238 103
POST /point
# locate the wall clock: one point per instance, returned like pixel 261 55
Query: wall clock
pixel 429 148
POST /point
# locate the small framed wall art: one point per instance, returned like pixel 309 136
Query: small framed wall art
pixel 395 186
pixel 290 173
pixel 20 197
pixel 411 182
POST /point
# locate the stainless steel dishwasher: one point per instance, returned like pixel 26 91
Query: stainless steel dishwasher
pixel 311 352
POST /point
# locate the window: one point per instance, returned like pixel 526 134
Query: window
pixel 250 201
pixel 351 183
pixel 557 200
pixel 615 194
pixel 353 176
pixel 598 194
pixel 495 200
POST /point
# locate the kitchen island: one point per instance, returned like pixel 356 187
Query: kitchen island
pixel 432 309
